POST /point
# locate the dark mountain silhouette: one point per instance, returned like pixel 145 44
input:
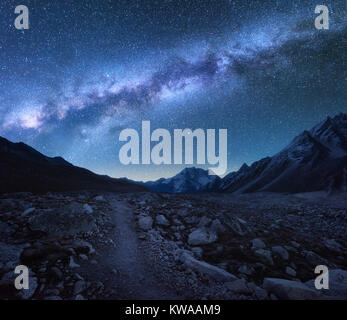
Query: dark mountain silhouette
pixel 22 168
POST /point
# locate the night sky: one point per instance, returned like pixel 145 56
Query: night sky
pixel 87 69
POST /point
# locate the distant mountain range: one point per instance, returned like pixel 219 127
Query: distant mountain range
pixel 22 168
pixel 188 180
pixel 315 160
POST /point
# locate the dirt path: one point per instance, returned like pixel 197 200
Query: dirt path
pixel 134 279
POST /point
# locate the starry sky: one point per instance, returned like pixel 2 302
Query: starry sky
pixel 85 70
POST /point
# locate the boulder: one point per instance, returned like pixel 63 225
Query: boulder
pixel 217 227
pixel 264 256
pixel 258 244
pixel 238 286
pixel 202 236
pixel 283 253
pixel 68 220
pixel 161 220
pixel 289 290
pixel 206 269
pixel 145 222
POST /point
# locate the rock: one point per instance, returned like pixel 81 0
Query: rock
pixel 217 227
pixel 295 244
pixel 290 271
pixel 68 220
pixel 289 290
pixel 246 270
pixel 238 286
pixel 83 257
pixel 79 297
pixel 161 220
pixel 56 274
pixel 28 211
pixel 72 263
pixel 204 221
pixel 197 251
pixel 259 293
pixel 83 247
pixel 333 245
pixel 79 287
pixel 52 292
pixel 52 298
pixel 236 225
pixel 145 223
pixel 10 255
pixel 264 256
pixel 183 212
pixel 207 269
pixel 99 198
pixel 202 236
pixel 313 258
pixel 258 244
pixel 87 208
pixel 283 253
pixel 337 284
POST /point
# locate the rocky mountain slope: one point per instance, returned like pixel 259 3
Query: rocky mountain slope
pixel 314 160
pixel 22 168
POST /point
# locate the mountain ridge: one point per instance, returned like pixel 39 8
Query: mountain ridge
pixel 22 168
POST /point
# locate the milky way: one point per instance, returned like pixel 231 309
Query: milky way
pixel 83 72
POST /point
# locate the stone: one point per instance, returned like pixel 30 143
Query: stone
pixel 56 273
pixel 258 244
pixel 10 255
pixel 290 271
pixel 202 236
pixel 83 257
pixel 99 198
pixel 289 290
pixel 204 221
pixel 64 221
pixel 295 244
pixel 79 287
pixel 87 208
pixel 238 286
pixel 52 298
pixel 247 270
pixel 217 227
pixel 161 220
pixel 264 256
pixel 313 258
pixel 145 222
pixel 283 253
pixel 197 251
pixel 28 211
pixel 333 245
pixel 73 264
pixel 207 269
